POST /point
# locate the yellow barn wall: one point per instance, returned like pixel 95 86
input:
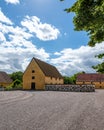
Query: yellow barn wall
pixel 79 83
pixel 82 82
pixel 52 80
pixel 97 84
pixel 38 74
pixel 88 82
pixel 102 84
pixel 4 84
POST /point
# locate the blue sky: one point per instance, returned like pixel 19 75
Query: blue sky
pixel 41 29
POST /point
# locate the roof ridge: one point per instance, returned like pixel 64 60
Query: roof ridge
pixel 43 62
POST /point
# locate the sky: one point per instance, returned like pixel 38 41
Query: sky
pixel 42 29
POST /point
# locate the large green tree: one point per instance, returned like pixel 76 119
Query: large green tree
pixel 89 17
pixel 16 76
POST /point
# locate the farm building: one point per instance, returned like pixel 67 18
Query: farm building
pixel 5 80
pixel 39 73
pixel 96 79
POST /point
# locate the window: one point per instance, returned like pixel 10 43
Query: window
pixel 33 77
pixel 33 71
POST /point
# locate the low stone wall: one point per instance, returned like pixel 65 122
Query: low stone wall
pixel 71 88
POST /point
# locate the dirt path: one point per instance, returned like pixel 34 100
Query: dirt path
pixel 46 110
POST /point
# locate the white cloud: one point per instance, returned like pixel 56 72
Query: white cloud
pixel 16 47
pixel 14 56
pixel 43 31
pixel 2 37
pixel 13 1
pixel 70 61
pixel 4 19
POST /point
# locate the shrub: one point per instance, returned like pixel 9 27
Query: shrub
pixel 16 85
pixel 8 88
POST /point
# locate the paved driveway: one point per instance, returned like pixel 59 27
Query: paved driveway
pixel 46 110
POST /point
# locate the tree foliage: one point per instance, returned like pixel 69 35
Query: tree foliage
pixel 72 79
pixel 89 17
pixel 16 75
pixel 99 68
pixel 16 85
pixel 69 80
pixel 17 81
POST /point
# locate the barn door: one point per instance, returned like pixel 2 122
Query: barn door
pixel 32 86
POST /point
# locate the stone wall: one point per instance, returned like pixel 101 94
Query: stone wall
pixel 71 88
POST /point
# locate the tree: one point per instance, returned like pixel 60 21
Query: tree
pixel 89 17
pixel 16 75
pixel 72 79
pixel 68 80
pixel 99 68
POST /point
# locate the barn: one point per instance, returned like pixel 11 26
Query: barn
pixel 91 78
pixel 39 73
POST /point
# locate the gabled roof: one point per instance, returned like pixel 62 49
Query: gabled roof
pixel 4 78
pixel 48 69
pixel 90 77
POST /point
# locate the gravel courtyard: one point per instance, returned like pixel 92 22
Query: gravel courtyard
pixel 50 110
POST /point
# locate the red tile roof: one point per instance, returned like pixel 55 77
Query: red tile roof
pixel 4 78
pixel 90 77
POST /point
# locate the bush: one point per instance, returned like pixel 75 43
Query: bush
pixel 8 88
pixel 16 85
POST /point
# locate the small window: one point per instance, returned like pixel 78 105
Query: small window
pixel 33 71
pixel 33 77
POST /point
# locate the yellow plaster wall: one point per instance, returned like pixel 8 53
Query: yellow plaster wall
pixel 102 84
pixel 97 84
pixel 4 84
pixel 79 83
pixel 88 82
pixel 52 80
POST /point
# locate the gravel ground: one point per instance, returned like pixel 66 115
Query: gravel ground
pixel 49 110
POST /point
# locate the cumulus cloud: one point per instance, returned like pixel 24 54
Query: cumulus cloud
pixel 16 47
pixel 43 31
pixel 4 19
pixel 13 1
pixel 70 61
